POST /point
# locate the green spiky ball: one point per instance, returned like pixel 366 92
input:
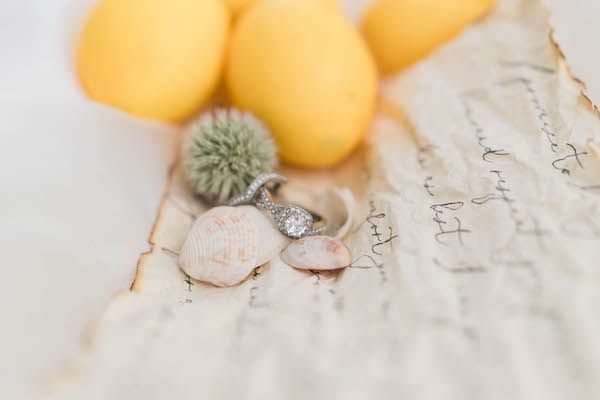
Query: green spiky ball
pixel 223 151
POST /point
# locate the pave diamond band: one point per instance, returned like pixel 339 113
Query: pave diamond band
pixel 291 219
pixel 260 181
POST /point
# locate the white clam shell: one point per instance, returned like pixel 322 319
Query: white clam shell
pixel 317 252
pixel 338 206
pixel 226 243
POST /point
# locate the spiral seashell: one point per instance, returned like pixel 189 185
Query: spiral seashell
pixel 226 243
pixel 317 252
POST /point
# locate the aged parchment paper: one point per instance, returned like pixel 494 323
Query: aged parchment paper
pixel 476 255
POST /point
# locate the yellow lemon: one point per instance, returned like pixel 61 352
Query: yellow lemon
pixel 238 6
pixel 401 32
pixel 157 59
pixel 303 69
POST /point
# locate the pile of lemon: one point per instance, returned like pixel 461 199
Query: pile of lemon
pixel 299 65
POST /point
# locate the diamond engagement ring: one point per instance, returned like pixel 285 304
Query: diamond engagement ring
pixel 292 220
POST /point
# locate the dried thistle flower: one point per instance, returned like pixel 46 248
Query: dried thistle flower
pixel 223 151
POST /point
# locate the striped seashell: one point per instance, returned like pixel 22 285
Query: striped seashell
pixel 226 243
pixel 317 252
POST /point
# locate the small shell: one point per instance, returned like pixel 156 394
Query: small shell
pixel 317 252
pixel 226 243
pixel 338 206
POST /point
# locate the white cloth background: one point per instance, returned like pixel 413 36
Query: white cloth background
pixel 80 185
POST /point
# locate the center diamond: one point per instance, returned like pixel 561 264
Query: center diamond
pixel 295 221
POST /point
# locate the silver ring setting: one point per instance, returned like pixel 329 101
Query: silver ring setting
pixel 292 220
pixel 260 181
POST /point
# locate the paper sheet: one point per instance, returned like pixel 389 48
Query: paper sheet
pixel 476 249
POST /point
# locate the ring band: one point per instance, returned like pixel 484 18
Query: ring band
pixel 260 181
pixel 292 220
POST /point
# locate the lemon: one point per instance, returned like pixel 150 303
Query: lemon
pixel 238 6
pixel 157 59
pixel 401 32
pixel 306 72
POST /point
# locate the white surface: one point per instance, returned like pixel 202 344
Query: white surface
pixel 80 187
pixel 576 26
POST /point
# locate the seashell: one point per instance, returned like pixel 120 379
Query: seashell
pixel 226 243
pixel 317 252
pixel 338 205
